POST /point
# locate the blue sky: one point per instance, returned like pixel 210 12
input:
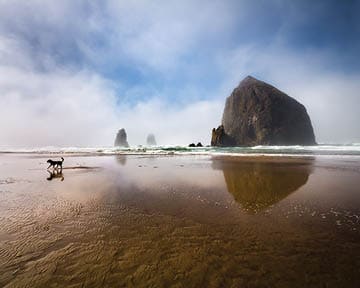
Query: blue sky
pixel 166 67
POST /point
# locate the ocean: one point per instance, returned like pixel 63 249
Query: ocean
pixel 318 150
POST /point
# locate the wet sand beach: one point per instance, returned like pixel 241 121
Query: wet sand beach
pixel 179 221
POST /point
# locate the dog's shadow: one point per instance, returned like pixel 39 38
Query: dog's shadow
pixel 55 174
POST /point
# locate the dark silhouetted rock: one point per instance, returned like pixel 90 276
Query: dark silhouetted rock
pixel 150 140
pixel 192 145
pixel 121 139
pixel 199 144
pixel 220 138
pixel 257 113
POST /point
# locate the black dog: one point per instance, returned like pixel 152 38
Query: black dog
pixel 55 164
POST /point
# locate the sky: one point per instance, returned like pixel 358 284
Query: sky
pixel 74 72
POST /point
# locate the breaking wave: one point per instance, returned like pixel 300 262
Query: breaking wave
pixel 322 149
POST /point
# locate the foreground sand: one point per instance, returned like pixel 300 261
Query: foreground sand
pixel 188 221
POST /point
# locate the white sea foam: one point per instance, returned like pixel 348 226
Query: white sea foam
pixel 323 149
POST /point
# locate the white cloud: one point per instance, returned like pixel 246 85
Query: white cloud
pixel 58 109
pixel 44 103
pixel 65 110
pixel 157 34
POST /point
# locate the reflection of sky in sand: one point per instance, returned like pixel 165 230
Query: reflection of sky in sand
pixel 169 185
pixel 182 183
pixel 141 176
pixel 150 172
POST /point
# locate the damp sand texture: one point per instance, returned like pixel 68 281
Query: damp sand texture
pixel 179 221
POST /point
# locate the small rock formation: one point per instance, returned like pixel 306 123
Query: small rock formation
pixel 257 113
pixel 220 138
pixel 121 138
pixel 150 140
pixel 197 145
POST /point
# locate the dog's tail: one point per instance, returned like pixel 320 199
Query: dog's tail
pixel 62 159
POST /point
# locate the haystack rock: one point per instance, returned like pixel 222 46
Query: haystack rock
pixel 150 140
pixel 257 113
pixel 121 138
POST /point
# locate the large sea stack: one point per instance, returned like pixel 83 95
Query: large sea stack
pixel 257 113
pixel 121 138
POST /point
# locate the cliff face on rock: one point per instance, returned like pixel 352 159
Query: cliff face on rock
pixel 150 140
pixel 257 113
pixel 121 138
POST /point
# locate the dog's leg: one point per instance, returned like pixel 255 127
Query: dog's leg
pixel 50 176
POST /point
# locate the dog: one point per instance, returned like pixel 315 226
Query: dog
pixel 55 164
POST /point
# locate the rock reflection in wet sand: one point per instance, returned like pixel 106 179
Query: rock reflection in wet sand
pixel 257 185
pixel 175 225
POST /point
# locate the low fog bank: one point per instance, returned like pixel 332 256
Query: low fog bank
pixel 66 109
